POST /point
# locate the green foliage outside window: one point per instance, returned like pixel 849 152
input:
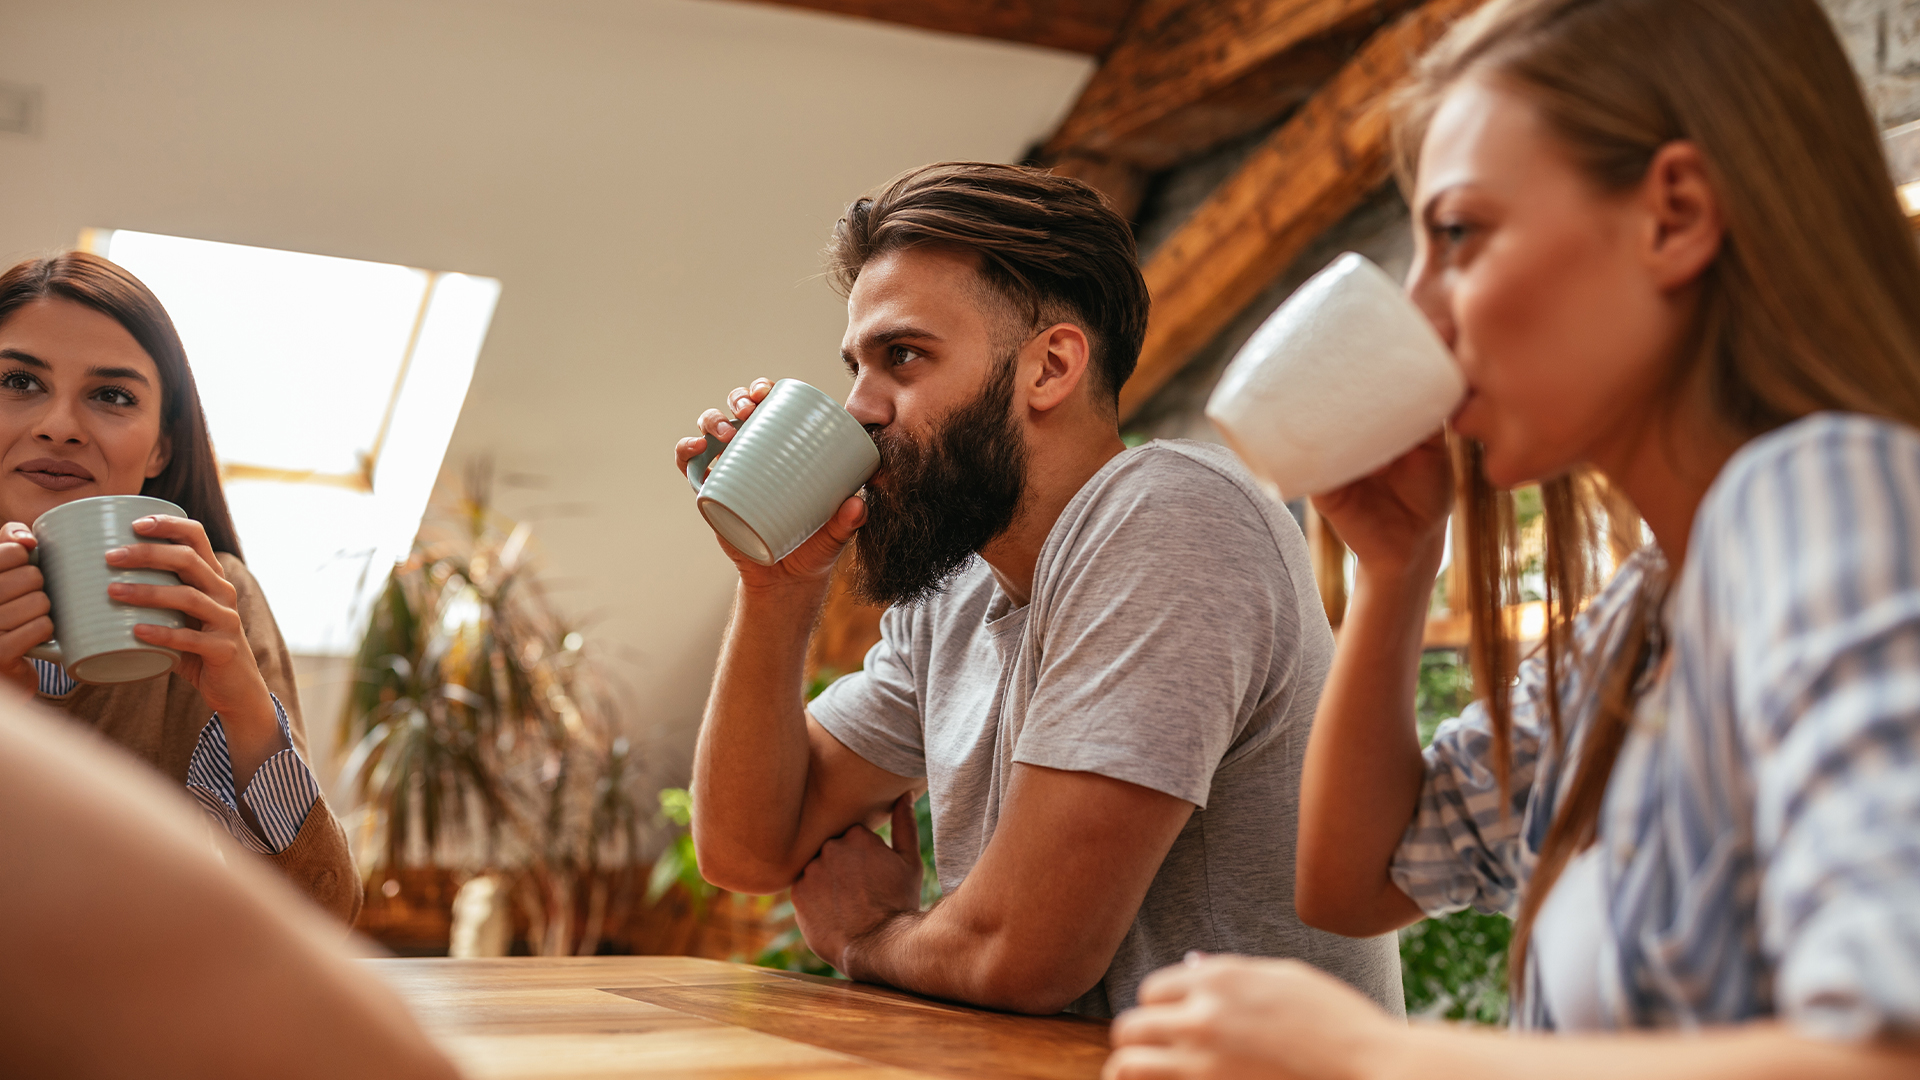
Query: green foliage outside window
pixel 1455 967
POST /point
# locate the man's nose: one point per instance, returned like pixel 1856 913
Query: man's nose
pixel 869 403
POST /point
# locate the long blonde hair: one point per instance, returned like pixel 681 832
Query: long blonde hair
pixel 1812 303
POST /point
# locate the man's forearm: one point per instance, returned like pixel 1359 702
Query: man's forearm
pixel 750 762
pixel 942 953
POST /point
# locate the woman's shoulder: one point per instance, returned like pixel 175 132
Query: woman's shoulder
pixel 1823 473
pixel 1832 454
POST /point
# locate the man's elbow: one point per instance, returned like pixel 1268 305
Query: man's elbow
pixel 1024 981
pixel 730 866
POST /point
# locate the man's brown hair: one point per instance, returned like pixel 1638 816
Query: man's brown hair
pixel 1053 248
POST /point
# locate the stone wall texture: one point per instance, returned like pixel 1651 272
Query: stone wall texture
pixel 1883 38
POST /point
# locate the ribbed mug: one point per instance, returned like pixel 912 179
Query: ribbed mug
pixel 786 470
pixel 93 633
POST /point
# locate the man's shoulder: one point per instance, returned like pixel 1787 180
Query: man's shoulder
pixel 1202 487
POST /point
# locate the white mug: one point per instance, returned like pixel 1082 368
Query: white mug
pixel 1345 377
pixel 786 470
pixel 93 633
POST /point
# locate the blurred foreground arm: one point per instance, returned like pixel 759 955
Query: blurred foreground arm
pixel 1230 1016
pixel 137 948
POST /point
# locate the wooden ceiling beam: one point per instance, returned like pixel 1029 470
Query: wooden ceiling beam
pixel 1188 74
pixel 1311 172
pixel 1082 26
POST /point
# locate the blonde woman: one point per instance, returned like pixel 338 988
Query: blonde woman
pixel 1661 239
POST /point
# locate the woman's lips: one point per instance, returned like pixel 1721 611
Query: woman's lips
pixel 54 475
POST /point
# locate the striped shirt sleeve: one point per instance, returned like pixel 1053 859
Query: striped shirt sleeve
pixel 1466 846
pixel 1826 673
pixel 281 793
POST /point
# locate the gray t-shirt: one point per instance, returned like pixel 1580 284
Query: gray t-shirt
pixel 1175 640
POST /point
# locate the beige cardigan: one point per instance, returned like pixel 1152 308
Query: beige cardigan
pixel 160 719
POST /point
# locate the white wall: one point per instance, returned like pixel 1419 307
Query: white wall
pixel 651 180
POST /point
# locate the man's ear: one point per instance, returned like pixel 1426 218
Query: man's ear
pixel 162 454
pixel 1687 228
pixel 1062 353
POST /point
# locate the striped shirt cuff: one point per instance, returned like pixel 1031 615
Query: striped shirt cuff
pixel 54 680
pixel 281 793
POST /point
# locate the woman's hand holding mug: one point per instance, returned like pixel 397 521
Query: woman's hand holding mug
pixel 1395 520
pixel 811 563
pixel 214 653
pixel 24 608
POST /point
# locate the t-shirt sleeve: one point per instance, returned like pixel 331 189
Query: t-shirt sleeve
pixel 1157 632
pixel 875 712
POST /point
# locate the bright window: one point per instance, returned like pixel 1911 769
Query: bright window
pixel 331 388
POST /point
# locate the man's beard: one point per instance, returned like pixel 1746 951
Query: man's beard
pixel 941 502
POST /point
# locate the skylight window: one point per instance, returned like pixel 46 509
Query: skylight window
pixel 331 388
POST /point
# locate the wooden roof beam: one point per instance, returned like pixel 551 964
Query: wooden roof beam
pixel 1310 173
pixel 1188 74
pixel 1082 26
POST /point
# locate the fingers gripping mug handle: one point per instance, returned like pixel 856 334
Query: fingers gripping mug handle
pixel 702 463
pixel 48 649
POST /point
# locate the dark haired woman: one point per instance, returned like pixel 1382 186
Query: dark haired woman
pixel 96 399
pixel 1662 241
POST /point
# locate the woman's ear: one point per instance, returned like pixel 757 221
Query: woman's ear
pixel 1687 227
pixel 161 456
pixel 1064 353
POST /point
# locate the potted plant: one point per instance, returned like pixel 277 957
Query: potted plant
pixel 482 740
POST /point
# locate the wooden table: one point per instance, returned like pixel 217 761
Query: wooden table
pixel 670 1016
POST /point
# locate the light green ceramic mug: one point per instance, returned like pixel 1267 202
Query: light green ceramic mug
pixel 93 633
pixel 784 473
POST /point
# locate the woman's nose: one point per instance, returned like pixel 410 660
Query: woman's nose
pixel 58 424
pixel 1434 301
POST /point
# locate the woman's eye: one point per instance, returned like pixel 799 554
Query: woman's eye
pixel 19 380
pixel 1449 236
pixel 114 395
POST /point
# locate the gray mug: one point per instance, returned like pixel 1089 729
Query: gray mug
pixel 786 470
pixel 93 632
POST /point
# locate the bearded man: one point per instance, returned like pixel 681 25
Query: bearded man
pixel 1100 662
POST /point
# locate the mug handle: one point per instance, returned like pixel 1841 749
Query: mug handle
pixel 50 648
pixel 702 463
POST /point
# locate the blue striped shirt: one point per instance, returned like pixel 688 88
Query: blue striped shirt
pixel 280 794
pixel 1760 835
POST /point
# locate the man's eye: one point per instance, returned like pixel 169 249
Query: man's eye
pixel 902 354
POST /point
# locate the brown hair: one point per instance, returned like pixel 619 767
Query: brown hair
pixel 191 478
pixel 1052 247
pixel 1808 306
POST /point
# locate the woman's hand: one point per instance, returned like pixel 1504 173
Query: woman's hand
pixel 812 562
pixel 1395 520
pixel 24 607
pixel 1231 1017
pixel 215 655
